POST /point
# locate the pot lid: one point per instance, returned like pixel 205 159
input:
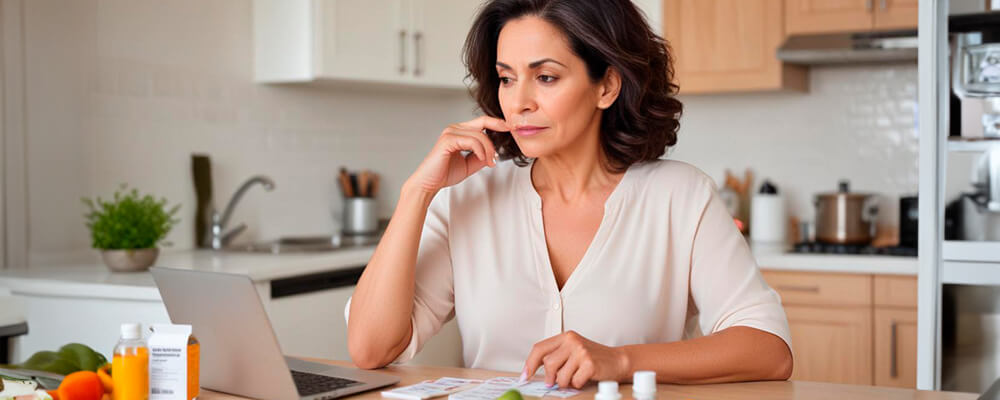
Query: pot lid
pixel 844 190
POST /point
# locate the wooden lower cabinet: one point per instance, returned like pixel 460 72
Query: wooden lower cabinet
pixel 831 344
pixel 896 347
pixel 851 328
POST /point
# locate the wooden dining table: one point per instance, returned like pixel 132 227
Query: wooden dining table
pixel 782 390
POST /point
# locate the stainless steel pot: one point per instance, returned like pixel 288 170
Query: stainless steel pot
pixel 843 217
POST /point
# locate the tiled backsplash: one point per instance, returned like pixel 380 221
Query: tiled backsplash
pixel 117 93
pixel 856 123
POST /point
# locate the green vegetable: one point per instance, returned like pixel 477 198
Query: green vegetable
pixel 70 358
pixel 512 394
pixel 86 358
pixel 128 221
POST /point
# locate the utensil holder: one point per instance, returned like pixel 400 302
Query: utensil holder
pixel 359 216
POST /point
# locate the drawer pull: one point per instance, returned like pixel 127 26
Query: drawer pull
pixel 798 288
pixel 893 368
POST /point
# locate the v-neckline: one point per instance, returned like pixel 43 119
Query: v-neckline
pixel 546 274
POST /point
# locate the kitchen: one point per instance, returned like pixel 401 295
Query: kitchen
pixel 100 93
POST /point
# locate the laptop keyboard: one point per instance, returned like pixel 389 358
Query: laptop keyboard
pixel 310 384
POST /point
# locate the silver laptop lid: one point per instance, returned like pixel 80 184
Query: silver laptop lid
pixel 239 352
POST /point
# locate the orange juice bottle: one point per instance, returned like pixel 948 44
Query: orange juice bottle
pixel 130 365
pixel 194 357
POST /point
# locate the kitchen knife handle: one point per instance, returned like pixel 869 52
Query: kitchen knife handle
pixel 893 367
pixel 402 52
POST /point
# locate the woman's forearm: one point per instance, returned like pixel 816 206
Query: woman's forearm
pixel 379 328
pixel 735 354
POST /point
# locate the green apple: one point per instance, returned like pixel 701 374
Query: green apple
pixel 512 394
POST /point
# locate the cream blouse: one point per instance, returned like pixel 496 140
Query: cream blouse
pixel 666 264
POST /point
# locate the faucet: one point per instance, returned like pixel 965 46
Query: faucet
pixel 216 238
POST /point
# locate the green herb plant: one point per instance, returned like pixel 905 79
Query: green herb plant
pixel 129 221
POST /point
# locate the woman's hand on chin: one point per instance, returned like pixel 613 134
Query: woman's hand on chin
pixel 572 360
pixel 445 165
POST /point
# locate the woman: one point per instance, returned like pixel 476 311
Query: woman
pixel 584 254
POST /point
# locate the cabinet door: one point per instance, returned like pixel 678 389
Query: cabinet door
pixel 896 14
pixel 364 40
pixel 831 344
pixel 439 31
pixel 896 347
pixel 728 46
pixel 819 16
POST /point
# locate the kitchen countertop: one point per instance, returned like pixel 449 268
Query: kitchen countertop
pixel 771 258
pixel 93 280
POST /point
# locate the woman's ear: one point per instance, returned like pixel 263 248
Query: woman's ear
pixel 610 86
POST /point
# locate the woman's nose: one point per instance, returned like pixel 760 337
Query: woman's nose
pixel 524 97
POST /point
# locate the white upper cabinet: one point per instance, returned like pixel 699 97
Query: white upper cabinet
pixel 439 29
pixel 402 42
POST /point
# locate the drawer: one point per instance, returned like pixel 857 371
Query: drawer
pixel 813 288
pixel 896 291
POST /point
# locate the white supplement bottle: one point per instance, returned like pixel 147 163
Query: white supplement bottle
pixel 644 385
pixel 607 390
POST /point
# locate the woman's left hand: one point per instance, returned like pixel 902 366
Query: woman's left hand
pixel 572 360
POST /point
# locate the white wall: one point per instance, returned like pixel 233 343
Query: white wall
pixel 125 90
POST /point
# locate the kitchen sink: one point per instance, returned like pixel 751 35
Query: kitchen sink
pixel 306 244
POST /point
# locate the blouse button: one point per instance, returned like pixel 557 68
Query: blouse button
pixel 555 306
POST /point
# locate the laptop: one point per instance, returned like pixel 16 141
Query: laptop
pixel 239 353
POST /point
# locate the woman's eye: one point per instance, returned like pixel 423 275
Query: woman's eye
pixel 504 80
pixel 547 78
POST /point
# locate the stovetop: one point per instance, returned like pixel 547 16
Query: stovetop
pixel 829 248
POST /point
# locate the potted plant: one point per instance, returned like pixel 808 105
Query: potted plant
pixel 128 228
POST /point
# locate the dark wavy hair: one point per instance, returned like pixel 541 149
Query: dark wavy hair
pixel 644 119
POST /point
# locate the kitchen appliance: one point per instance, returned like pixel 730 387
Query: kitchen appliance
pixel 975 215
pixel 975 76
pixel 853 249
pixel 240 353
pixel 850 47
pixel 844 217
pixel 909 215
pixel 986 178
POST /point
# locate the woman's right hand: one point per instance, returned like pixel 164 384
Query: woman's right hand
pixel 445 165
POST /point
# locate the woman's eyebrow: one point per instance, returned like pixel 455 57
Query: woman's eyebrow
pixel 533 65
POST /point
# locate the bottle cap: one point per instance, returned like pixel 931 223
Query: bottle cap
pixel 644 384
pixel 131 330
pixel 607 390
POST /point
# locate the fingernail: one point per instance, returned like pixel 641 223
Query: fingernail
pixel 496 158
pixel 524 376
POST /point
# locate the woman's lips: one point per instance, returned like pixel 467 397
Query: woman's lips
pixel 528 130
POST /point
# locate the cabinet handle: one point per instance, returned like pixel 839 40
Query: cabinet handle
pixel 893 368
pixel 417 36
pixel 882 5
pixel 797 288
pixel 869 4
pixel 402 52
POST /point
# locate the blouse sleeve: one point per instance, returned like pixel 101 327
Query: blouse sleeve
pixel 726 285
pixel 434 295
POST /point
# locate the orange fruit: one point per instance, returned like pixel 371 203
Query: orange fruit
pixel 106 381
pixel 81 385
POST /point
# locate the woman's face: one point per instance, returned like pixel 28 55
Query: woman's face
pixel 545 92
